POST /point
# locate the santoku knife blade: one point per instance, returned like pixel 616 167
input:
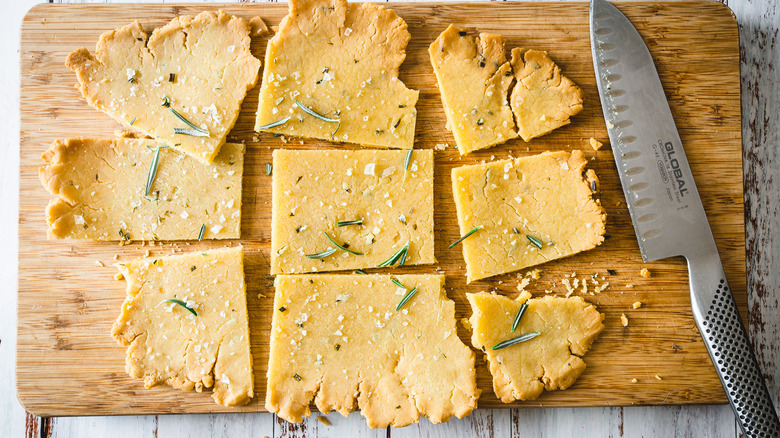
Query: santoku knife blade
pixel 666 209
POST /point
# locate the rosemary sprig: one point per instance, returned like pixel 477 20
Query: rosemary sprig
pixel 202 231
pixel 516 340
pixel 192 126
pixel 153 169
pixel 473 230
pixel 394 258
pixel 274 124
pixel 317 115
pixel 398 283
pixel 360 271
pixel 536 242
pixel 406 299
pixel 182 304
pixel 346 223
pixel 343 248
pixel 269 168
pixel 190 132
pixel 323 254
pixel 519 315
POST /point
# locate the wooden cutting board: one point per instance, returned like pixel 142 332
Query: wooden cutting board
pixel 68 364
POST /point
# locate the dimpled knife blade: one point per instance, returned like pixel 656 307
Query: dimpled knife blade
pixel 666 209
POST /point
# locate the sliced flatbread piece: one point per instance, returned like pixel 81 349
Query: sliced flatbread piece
pixel 101 185
pixel 553 360
pixel 542 99
pixel 367 201
pixel 199 67
pixel 201 340
pixel 340 60
pixel 531 210
pixel 474 78
pixel 338 340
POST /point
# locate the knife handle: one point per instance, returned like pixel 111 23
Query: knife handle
pixel 724 334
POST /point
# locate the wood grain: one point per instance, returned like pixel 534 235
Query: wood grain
pixel 66 361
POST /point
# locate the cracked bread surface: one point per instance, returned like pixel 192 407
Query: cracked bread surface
pixel 531 209
pixel 340 60
pixel 551 361
pixel 203 344
pixel 338 341
pixel 139 80
pixel 314 190
pixel 474 77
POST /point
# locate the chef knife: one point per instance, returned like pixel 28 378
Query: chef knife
pixel 666 210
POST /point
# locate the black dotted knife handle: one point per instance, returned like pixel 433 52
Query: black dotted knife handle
pixel 727 341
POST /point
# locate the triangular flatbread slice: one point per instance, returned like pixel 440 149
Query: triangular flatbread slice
pixel 197 67
pixel 542 99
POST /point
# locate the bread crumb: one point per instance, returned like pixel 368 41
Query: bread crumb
pixel 147 253
pixel 595 144
pixel 637 305
pixel 466 323
pixel 645 273
pixel 324 420
pixel 535 274
pixel 657 377
pixel 119 276
pixel 99 263
pixel 258 26
pixel 261 296
pixel 630 285
pixel 116 256
pixel 624 320
pixel 634 380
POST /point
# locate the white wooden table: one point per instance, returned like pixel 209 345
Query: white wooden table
pixel 759 22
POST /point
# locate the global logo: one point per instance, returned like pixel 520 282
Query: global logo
pixel 675 165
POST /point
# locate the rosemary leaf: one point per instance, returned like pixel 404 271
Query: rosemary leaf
pixel 153 169
pixel 340 246
pixel 408 160
pixel 182 304
pixel 317 115
pixel 274 124
pixel 474 230
pixel 191 132
pixel 519 315
pixel 517 340
pixel 323 254
pixel 188 123
pixel 398 283
pixel 360 271
pixel 346 223
pixel 406 299
pixel 516 231
pixel 394 258
pixel 269 168
pixel 202 231
pixel 132 121
pixel 297 377
pixel 536 242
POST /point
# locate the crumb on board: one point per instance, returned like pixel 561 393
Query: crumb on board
pixel 466 323
pixel 637 304
pixel 634 380
pixel 324 420
pixel 99 263
pixel 440 146
pixel 624 320
pixel 116 256
pixel 657 377
pixel 261 296
pixel 595 144
pixel 645 273
pixel 147 253
pixel 118 276
pixel 630 285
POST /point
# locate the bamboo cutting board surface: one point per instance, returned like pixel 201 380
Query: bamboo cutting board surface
pixel 68 364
